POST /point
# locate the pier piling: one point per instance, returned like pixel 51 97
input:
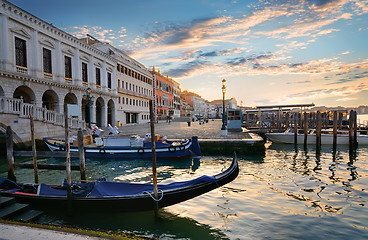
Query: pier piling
pixel 351 129
pixel 35 169
pixel 318 131
pixel 334 129
pixel 9 153
pixel 295 128
pixel 305 129
pixel 82 159
pixel 154 164
pixel 67 161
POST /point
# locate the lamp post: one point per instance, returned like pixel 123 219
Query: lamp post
pixel 223 128
pixel 89 100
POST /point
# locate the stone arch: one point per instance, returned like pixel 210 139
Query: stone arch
pixel 70 98
pixel 111 112
pixel 25 93
pixel 50 100
pixel 100 105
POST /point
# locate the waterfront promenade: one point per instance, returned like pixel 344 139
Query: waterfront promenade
pixel 178 130
pixel 209 136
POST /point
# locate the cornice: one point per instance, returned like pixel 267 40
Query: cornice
pixel 34 22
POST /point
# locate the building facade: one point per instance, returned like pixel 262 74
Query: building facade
pixel 47 68
pixel 197 105
pixel 163 88
pixel 134 86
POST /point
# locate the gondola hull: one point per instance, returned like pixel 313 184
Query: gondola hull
pixel 164 150
pixel 168 195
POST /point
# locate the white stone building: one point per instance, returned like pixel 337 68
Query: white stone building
pixel 47 68
pixel 134 86
pixel 176 98
pixel 199 106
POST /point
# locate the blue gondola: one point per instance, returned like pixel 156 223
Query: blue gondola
pixel 164 149
pixel 105 196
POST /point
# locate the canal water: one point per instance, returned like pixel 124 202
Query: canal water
pixel 287 193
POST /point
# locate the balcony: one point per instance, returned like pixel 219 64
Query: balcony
pixel 21 69
pixel 68 80
pixel 48 76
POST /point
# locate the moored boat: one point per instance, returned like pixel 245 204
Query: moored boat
pixel 132 147
pixel 326 137
pixel 102 196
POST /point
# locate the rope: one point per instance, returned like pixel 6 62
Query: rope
pixel 153 197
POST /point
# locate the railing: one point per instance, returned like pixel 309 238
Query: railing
pixel 48 76
pixel 21 69
pixel 24 110
pixel 68 80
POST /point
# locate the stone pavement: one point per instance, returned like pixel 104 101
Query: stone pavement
pixel 15 232
pixel 179 130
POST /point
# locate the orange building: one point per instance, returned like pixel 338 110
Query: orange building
pixel 163 88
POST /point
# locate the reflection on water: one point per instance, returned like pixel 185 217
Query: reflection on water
pixel 287 193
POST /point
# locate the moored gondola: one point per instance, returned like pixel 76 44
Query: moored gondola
pixel 164 149
pixel 115 196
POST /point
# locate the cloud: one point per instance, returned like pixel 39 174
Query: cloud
pixel 190 69
pixel 343 92
pixel 345 99
pixel 104 35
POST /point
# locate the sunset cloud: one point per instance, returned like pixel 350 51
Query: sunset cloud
pixel 298 39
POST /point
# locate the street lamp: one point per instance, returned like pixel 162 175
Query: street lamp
pixel 223 128
pixel 89 99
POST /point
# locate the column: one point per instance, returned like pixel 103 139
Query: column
pixel 93 111
pixel 91 73
pixel 104 77
pixel 77 69
pixel 35 62
pixel 104 114
pixel 113 80
pixel 5 62
pixel 58 74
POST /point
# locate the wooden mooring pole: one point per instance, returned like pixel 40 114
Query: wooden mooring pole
pixel 35 169
pixel 67 160
pixel 334 143
pixel 154 164
pixel 9 153
pixel 295 128
pixel 355 138
pixel 305 129
pixel 318 131
pixel 352 129
pixel 82 159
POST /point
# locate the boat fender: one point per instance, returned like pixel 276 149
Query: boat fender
pixel 102 151
pixel 140 150
pixel 181 148
pixel 172 149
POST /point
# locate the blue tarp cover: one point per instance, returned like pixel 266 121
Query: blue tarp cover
pixel 9 185
pixel 116 189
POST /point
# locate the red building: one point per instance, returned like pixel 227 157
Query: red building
pixel 163 90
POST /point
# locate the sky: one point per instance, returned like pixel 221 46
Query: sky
pixel 270 52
